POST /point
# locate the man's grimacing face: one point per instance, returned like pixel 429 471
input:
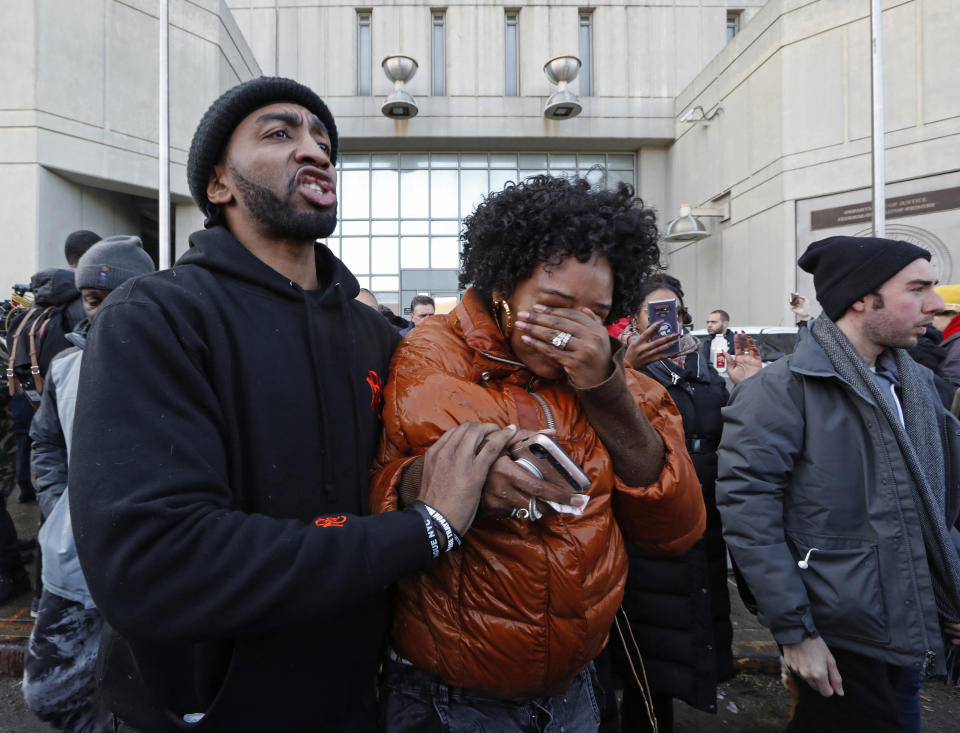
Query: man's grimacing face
pixel 277 166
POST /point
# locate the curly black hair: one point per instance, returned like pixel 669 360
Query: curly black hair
pixel 542 220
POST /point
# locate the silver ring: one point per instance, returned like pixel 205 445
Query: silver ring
pixel 561 340
pixel 519 513
pixel 535 513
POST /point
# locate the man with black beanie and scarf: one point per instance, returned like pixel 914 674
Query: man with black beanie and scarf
pixel 228 413
pixel 839 491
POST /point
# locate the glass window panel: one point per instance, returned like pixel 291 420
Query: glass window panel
pixel 384 161
pixel 445 252
pixel 391 300
pixel 438 63
pixel 498 179
pixel 364 282
pixel 384 227
pixel 444 160
pixel 386 194
pixel 414 161
pixel 356 255
pixel 585 77
pixel 355 195
pixel 363 54
pixel 443 194
pixel 473 187
pixel 384 282
pixel 473 160
pixel 502 160
pixel 414 253
pixel 586 161
pixel 533 160
pixel 445 227
pixel 385 256
pixel 527 174
pixel 414 227
pixel 558 160
pixel 620 162
pixel 334 246
pixel 511 55
pixel 355 227
pixel 596 176
pixel 354 161
pixel 414 195
pixel 614 177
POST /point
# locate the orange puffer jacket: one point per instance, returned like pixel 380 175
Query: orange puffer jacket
pixel 524 606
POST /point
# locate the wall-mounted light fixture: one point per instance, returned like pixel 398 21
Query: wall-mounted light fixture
pixel 563 104
pixel 696 114
pixel 399 105
pixel 688 228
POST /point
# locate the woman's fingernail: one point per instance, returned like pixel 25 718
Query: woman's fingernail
pixel 511 426
pixel 523 314
pixel 539 308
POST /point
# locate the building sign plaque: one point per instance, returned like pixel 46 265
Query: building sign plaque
pixel 900 206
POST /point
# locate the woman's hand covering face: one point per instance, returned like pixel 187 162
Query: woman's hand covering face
pixel 586 358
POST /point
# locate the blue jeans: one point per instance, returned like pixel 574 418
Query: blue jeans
pixel 414 701
pixel 907 695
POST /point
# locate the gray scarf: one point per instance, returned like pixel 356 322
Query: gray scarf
pixel 921 438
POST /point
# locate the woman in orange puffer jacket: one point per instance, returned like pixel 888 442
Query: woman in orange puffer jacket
pixel 500 635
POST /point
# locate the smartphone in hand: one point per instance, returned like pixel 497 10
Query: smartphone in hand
pixel 542 456
pixel 665 311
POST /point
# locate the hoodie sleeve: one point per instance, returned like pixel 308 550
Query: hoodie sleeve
pixel 48 456
pixel 165 553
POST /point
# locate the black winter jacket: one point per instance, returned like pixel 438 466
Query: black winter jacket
pixel 679 607
pixel 226 422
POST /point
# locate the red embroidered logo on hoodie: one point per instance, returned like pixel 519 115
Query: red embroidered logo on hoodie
pixel 376 392
pixel 330 521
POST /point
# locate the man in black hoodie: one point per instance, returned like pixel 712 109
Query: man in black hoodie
pixel 227 418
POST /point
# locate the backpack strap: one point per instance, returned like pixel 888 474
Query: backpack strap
pixel 34 362
pixel 27 318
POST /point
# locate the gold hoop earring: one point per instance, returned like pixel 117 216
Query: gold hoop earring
pixel 504 317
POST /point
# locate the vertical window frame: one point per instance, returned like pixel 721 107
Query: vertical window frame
pixel 364 52
pixel 734 22
pixel 585 43
pixel 438 52
pixel 511 52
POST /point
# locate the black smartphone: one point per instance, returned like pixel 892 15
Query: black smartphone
pixel 794 298
pixel 665 311
pixel 542 456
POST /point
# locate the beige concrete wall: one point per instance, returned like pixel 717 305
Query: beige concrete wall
pixel 644 54
pixel 78 112
pixel 795 90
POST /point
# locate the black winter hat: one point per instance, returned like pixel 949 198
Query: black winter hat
pixel 845 269
pixel 219 122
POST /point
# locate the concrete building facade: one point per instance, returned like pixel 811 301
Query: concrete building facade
pixel 78 129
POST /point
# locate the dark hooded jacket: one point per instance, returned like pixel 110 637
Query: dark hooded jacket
pixel 225 427
pixel 53 288
pixel 679 606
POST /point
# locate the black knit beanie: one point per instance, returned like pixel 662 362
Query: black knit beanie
pixel 845 269
pixel 228 111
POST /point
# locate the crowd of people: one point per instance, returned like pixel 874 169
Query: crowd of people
pixel 270 503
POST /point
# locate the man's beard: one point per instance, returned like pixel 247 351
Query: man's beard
pixel 279 217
